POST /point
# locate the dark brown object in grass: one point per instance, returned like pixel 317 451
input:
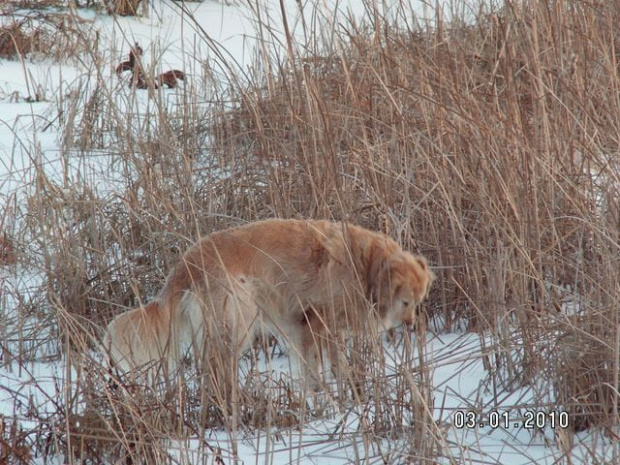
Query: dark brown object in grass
pixel 169 78
pixel 7 255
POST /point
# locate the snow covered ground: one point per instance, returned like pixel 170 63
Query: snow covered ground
pixel 188 36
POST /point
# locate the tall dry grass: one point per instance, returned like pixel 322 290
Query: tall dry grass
pixel 489 145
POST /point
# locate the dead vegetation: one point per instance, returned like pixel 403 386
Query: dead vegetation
pixel 124 7
pixel 41 34
pixel 491 148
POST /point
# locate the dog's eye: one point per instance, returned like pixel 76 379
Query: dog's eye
pixel 405 303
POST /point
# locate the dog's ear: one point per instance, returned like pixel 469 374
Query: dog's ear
pixel 319 254
pixel 377 277
pixel 431 276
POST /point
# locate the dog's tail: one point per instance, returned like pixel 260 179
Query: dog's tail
pixel 147 336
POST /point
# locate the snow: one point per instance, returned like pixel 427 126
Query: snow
pixel 188 36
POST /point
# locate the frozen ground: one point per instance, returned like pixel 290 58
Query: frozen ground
pixel 30 135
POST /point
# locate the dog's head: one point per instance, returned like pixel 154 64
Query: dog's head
pixel 400 283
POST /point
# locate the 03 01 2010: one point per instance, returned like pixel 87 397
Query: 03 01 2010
pixel 531 419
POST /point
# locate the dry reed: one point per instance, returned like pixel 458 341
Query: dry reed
pixel 489 146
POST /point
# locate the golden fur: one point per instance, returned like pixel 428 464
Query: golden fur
pixel 299 279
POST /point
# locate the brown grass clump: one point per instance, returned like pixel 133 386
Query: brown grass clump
pixel 7 253
pixel 41 33
pixel 123 7
pixel 14 445
pixel 585 377
pixel 14 42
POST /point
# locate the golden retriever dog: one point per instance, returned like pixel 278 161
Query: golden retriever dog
pixel 302 280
